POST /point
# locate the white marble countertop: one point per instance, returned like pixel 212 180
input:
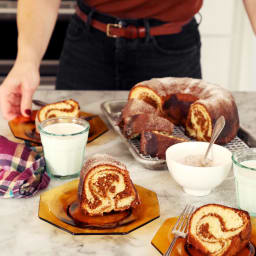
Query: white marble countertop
pixel 23 233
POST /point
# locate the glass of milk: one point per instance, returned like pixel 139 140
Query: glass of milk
pixel 64 140
pixel 244 165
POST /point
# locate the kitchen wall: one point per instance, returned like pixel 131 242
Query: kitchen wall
pixel 228 45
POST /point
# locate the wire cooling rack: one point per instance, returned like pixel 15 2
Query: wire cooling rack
pixel 112 110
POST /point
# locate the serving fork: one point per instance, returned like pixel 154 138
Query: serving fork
pixel 180 228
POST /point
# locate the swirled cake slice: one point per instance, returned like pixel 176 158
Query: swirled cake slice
pixel 219 230
pixel 59 109
pixel 105 186
pixel 65 108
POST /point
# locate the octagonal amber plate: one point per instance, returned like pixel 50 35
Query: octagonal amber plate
pixel 53 209
pixel 164 237
pixel 24 128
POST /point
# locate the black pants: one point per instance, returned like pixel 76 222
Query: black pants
pixel 92 61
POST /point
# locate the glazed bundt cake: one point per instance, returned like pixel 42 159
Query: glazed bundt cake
pixel 219 230
pixel 192 103
pixel 105 186
pixel 155 143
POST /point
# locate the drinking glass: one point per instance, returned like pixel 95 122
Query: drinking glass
pixel 244 166
pixel 64 140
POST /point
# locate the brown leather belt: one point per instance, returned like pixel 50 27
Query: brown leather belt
pixel 131 31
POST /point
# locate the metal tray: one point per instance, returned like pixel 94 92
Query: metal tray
pixel 112 110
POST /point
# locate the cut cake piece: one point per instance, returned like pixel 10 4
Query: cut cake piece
pixel 59 109
pixel 146 122
pixel 65 108
pixel 218 230
pixel 105 186
pixel 155 143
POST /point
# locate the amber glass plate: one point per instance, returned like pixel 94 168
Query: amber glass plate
pixel 163 238
pixel 58 207
pixel 24 128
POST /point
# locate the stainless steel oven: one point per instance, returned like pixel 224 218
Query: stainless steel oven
pixel 8 40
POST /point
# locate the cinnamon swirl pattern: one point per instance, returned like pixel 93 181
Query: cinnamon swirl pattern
pixel 105 186
pixel 219 230
pixel 59 109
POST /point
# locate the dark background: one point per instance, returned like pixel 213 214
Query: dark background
pixel 8 40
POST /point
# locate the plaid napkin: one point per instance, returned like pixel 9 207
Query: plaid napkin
pixel 22 170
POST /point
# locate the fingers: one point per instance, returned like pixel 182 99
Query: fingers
pixel 17 90
pixel 26 99
pixel 10 105
pixel 15 100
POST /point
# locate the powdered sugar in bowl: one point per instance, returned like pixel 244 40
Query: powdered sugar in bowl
pixel 184 164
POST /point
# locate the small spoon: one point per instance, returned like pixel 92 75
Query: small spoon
pixel 218 127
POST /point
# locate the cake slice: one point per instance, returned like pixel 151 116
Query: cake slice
pixel 59 109
pixel 155 143
pixel 135 107
pixel 219 230
pixel 146 122
pixel 65 108
pixel 105 186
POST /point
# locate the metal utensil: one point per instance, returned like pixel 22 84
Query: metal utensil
pixel 180 229
pixel 218 127
pixel 39 103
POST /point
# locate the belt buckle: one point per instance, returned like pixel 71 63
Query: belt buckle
pixel 112 25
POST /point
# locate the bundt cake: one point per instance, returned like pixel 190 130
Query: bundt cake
pixel 192 103
pixel 146 122
pixel 105 186
pixel 58 109
pixel 155 143
pixel 219 230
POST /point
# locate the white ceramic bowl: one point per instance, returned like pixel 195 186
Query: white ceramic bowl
pixel 198 181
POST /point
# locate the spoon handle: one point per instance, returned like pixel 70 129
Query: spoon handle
pixel 39 103
pixel 219 125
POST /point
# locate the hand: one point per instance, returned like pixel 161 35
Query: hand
pixel 17 90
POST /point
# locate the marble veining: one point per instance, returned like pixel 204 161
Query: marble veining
pixel 23 233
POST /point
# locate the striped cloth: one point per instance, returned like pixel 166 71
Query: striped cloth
pixel 22 170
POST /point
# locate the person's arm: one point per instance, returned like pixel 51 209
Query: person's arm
pixel 35 21
pixel 250 7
